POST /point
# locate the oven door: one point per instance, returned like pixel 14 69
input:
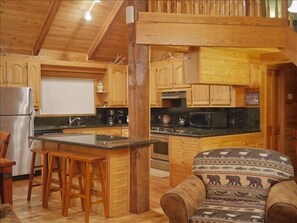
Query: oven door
pixel 160 152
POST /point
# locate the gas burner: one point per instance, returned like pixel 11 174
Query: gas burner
pixel 163 129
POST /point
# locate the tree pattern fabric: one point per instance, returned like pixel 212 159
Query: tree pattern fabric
pixel 237 182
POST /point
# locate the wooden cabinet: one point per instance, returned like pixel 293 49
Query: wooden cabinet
pixel 14 72
pixel 216 66
pixel 116 131
pixel 155 100
pixel 257 71
pixel 34 81
pixel 170 74
pixel 182 150
pixel 21 72
pixel 117 85
pixel 211 95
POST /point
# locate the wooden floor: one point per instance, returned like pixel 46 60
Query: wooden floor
pixel 32 212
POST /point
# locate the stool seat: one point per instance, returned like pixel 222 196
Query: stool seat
pixel 87 160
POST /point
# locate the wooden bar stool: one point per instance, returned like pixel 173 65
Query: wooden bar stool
pixel 43 152
pixel 56 158
pixel 86 160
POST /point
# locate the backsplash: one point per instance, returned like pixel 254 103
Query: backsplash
pixel 99 119
pixel 237 117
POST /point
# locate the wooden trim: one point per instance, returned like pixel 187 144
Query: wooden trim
pixel 274 58
pixel 195 30
pixel 147 17
pixel 98 40
pixel 51 14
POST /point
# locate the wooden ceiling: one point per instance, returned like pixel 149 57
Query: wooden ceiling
pixel 57 28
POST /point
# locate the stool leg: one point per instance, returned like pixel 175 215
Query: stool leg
pixel 69 186
pixel 31 176
pixel 59 169
pixel 48 182
pixel 87 191
pixel 103 189
pixel 44 175
pixel 80 184
pixel 64 183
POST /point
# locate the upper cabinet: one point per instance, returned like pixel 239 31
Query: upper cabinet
pixel 117 85
pixel 155 100
pixel 21 72
pixel 210 95
pixel 14 72
pixel 170 74
pixel 216 66
pixel 257 72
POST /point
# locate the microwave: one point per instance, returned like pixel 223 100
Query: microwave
pixel 208 119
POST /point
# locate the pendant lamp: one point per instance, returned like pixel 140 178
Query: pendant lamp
pixel 293 7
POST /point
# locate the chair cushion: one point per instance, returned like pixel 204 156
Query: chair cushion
pixel 229 210
pixel 241 173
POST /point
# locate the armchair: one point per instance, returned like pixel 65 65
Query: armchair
pixel 235 185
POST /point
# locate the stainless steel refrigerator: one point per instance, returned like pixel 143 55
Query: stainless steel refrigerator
pixel 17 118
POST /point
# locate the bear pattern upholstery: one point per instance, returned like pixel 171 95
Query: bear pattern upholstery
pixel 237 182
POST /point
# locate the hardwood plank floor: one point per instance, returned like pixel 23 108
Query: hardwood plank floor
pixel 30 212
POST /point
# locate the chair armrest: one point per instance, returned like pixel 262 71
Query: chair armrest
pixel 179 203
pixel 282 203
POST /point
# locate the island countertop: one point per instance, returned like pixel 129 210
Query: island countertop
pixel 107 142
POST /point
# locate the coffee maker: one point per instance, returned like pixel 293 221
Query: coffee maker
pixel 110 117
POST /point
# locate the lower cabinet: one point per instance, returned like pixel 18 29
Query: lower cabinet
pixel 182 150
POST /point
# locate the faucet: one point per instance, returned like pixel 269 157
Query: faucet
pixel 70 121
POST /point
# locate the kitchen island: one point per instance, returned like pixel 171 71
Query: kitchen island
pixel 116 150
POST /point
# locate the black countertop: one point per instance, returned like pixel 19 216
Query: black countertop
pixel 49 127
pixel 199 132
pixel 96 141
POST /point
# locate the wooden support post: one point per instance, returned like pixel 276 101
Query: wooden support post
pixel 139 112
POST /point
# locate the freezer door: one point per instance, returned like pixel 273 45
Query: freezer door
pixel 16 101
pixel 20 128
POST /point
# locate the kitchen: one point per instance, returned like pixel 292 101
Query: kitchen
pixel 102 97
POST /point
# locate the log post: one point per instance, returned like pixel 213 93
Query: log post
pixel 139 112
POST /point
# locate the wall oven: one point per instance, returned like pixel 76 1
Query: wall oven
pixel 160 152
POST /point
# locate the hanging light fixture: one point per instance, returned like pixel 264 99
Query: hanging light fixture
pixel 88 15
pixel 293 7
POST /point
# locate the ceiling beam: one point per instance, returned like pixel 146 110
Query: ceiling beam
pixel 51 14
pixel 194 30
pixel 103 30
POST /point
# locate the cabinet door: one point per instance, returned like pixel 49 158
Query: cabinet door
pixel 154 96
pixel 178 75
pixel 117 85
pixel 181 155
pixel 220 95
pixel 34 81
pixel 3 77
pixel 255 75
pixel 164 75
pixel 200 95
pixel 17 72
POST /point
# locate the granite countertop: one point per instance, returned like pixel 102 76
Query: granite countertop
pixel 52 127
pixel 95 141
pixel 199 133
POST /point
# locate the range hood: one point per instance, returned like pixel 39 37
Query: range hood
pixel 174 95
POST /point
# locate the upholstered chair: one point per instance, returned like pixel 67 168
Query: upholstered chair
pixel 4 140
pixel 235 185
